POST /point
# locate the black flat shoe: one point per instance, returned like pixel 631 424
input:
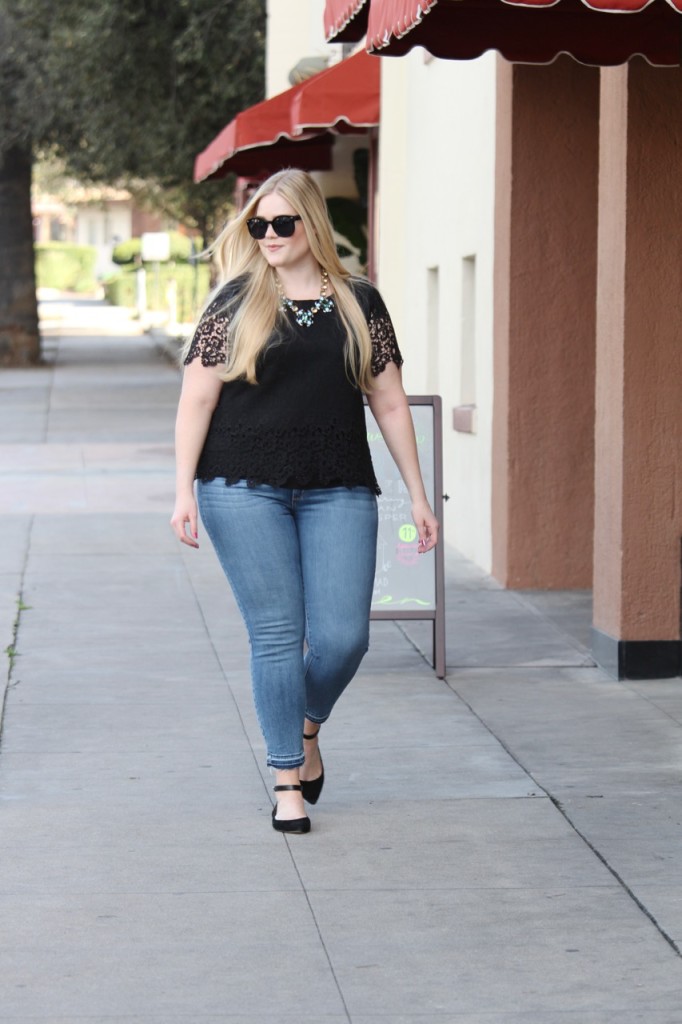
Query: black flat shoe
pixel 311 790
pixel 298 826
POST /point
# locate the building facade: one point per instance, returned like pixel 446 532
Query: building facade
pixel 523 229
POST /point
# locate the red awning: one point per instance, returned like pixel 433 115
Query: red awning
pixel 597 32
pixel 297 127
pixel 343 99
pixel 345 21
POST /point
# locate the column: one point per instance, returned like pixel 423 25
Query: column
pixel 545 294
pixel 638 460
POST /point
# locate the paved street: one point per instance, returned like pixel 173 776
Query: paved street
pixel 502 847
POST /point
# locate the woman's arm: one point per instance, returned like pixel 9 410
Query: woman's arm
pixel 391 410
pixel 198 398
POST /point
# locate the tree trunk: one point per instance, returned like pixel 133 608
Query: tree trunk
pixel 19 336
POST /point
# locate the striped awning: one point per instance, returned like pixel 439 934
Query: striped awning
pixel 297 127
pixel 596 32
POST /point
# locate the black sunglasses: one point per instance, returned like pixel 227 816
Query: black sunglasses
pixel 283 226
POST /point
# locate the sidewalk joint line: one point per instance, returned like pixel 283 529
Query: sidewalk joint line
pixel 253 755
pixel 319 932
pixel 52 365
pixel 220 665
pixel 627 685
pixel 562 811
pixel 413 643
pixel 621 881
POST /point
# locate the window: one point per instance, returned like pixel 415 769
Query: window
pixel 464 414
pixel 467 359
pixel 432 331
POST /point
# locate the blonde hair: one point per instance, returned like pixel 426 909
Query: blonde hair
pixel 254 309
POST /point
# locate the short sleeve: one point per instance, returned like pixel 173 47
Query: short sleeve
pixel 209 342
pixel 385 348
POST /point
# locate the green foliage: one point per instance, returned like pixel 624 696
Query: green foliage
pixel 128 92
pixel 361 174
pixel 192 287
pixel 129 251
pixel 349 216
pixel 350 221
pixel 119 289
pixel 65 266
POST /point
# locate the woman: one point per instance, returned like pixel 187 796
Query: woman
pixel 271 423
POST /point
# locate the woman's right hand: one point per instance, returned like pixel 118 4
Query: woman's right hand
pixel 184 515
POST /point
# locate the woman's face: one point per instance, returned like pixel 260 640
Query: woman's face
pixel 282 252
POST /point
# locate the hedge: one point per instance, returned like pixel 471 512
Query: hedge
pixel 65 267
pixel 120 290
pixel 129 251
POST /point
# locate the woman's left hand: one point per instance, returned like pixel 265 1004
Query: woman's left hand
pixel 427 525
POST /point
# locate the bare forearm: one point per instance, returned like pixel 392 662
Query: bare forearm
pixel 398 432
pixel 191 427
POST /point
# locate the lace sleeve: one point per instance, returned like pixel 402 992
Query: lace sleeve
pixel 209 342
pixel 385 348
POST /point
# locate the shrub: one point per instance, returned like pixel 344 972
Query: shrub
pixel 120 289
pixel 129 251
pixel 65 267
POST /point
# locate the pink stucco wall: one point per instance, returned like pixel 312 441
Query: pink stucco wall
pixel 638 498
pixel 545 296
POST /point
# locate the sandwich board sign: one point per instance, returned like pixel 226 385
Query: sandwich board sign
pixel 408 585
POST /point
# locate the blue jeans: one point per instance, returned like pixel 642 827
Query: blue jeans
pixel 301 565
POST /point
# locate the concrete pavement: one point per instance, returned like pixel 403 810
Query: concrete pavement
pixel 498 848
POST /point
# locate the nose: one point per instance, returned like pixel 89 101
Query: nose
pixel 270 232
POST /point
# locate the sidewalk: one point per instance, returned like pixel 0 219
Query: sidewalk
pixel 502 847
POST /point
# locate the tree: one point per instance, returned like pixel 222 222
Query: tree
pixel 125 92
pixel 19 340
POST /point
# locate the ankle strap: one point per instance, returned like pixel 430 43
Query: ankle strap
pixel 311 736
pixel 279 789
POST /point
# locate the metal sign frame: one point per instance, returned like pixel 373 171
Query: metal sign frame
pixel 437 614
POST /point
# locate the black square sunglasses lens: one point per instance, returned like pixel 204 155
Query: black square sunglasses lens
pixel 283 226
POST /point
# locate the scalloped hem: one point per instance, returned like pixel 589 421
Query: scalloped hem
pixel 371 485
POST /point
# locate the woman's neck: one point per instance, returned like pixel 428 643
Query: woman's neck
pixel 300 282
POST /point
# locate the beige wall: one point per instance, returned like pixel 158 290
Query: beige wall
pixel 295 29
pixel 435 266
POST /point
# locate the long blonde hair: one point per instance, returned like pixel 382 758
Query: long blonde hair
pixel 253 308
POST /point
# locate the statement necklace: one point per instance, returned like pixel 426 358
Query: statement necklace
pixel 305 317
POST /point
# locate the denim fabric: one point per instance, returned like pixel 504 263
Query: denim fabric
pixel 301 566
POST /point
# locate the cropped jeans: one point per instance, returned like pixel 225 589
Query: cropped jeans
pixel 301 565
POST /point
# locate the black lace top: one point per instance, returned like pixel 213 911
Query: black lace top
pixel 303 424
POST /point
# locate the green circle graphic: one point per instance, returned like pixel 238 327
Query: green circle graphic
pixel 407 533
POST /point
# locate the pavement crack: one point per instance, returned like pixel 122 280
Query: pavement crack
pixel 569 821
pixel 12 652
